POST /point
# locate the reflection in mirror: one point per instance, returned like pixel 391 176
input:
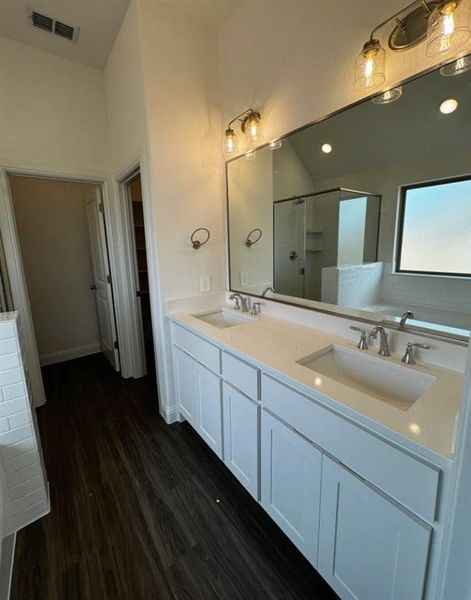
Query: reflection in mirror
pixel 366 213
pixel 316 236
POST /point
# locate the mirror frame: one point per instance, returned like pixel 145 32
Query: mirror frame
pixel 342 312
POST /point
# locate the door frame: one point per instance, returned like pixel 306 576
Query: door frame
pixel 14 262
pixel 135 339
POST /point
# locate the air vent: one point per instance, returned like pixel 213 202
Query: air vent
pixel 65 31
pixel 52 25
pixel 41 21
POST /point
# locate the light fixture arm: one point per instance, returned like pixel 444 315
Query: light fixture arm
pixel 396 16
pixel 246 112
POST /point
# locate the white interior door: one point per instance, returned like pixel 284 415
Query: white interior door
pixel 102 283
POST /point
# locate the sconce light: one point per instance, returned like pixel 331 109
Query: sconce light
pixel 250 125
pixel 448 27
pixel 456 67
pixel 445 24
pixel 369 69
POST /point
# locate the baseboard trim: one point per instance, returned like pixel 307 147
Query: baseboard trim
pixel 6 566
pixel 170 414
pixel 69 354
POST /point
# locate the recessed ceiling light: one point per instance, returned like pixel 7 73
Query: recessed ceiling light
pixel 448 106
pixel 326 148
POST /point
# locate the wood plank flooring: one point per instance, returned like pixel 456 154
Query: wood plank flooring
pixel 142 510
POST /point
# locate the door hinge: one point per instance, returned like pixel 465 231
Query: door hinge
pixel 108 278
pixel 101 208
pixel 116 345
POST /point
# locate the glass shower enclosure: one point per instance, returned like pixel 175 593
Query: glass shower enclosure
pixel 312 233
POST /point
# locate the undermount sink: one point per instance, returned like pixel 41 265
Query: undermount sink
pixel 222 318
pixel 388 382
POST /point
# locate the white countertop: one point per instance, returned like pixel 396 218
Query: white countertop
pixel 277 344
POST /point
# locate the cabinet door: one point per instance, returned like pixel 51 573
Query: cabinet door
pixel 369 548
pixel 290 476
pixel 241 437
pixel 209 407
pixel 185 384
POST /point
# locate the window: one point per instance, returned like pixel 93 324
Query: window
pixel 434 235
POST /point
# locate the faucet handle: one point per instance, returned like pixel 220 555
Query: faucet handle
pixel 237 303
pixel 409 354
pixel 256 308
pixel 363 343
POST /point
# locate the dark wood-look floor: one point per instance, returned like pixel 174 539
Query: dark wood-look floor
pixel 142 510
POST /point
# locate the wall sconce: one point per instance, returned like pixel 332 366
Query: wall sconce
pixel 250 125
pixel 445 24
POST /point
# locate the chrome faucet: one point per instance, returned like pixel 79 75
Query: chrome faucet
pixel 240 301
pixel 407 315
pixel 409 354
pixel 383 340
pixel 266 290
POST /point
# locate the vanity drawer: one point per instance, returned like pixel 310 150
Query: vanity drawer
pixel 407 479
pixel 203 351
pixel 242 375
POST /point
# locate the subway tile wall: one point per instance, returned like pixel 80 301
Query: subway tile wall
pixel 26 495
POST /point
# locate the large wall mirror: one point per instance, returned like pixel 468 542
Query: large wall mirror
pixel 366 213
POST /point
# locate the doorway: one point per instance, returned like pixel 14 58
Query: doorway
pixel 138 236
pixel 62 238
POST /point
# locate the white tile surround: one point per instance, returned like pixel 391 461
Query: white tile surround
pixel 26 489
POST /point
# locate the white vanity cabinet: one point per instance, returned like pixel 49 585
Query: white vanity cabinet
pixel 241 423
pixel 360 507
pixel 291 482
pixel 369 547
pixel 199 398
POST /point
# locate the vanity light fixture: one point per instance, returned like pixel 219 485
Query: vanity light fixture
pixel 448 106
pixel 456 67
pixel 445 24
pixel 250 124
pixel 388 96
pixel 326 148
pixel 275 145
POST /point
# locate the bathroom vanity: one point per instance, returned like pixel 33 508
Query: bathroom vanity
pixel 348 452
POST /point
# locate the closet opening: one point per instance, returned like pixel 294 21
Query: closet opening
pixel 138 236
pixel 63 241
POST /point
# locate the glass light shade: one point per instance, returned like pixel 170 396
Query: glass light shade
pixel 250 156
pixel 230 141
pixel 252 127
pixel 370 66
pixel 448 27
pixel 276 145
pixel 389 96
pixel 457 67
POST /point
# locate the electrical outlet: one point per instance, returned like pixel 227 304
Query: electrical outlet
pixel 205 284
pixel 244 278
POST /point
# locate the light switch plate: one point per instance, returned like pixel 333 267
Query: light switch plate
pixel 205 284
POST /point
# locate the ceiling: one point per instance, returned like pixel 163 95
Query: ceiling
pixel 99 22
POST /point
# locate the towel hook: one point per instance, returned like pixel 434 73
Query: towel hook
pixel 196 243
pixel 249 242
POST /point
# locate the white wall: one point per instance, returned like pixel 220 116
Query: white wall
pixel 184 129
pixel 124 91
pixel 52 111
pixel 52 226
